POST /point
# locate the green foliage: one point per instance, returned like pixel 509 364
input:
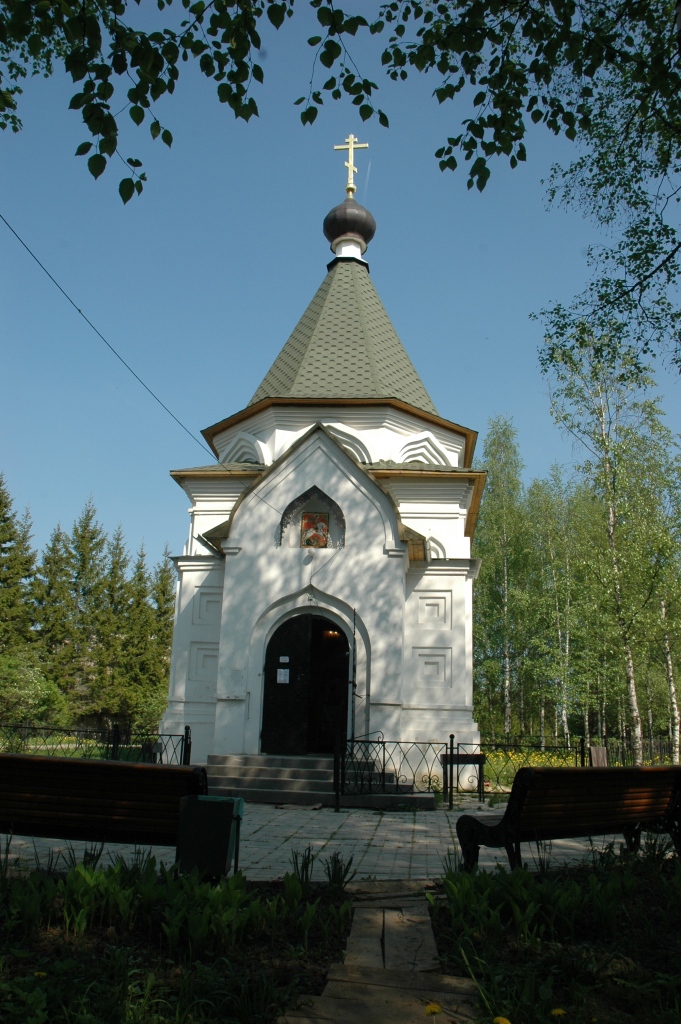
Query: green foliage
pixel 17 562
pixel 554 612
pixel 134 944
pixel 25 693
pixel 549 63
pixel 626 179
pixel 603 398
pixel 84 636
pixel 303 864
pixel 338 871
pixel 501 542
pixel 599 941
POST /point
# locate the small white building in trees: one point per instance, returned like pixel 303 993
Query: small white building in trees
pixel 326 585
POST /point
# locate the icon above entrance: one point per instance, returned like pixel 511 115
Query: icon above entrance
pixel 305 700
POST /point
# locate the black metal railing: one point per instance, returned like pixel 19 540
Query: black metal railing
pixel 364 766
pixel 370 764
pixel 115 744
pixel 657 750
pixel 501 761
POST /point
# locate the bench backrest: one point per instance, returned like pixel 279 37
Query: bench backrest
pixel 598 757
pixel 591 801
pixel 109 801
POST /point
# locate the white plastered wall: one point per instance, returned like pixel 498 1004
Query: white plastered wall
pixel 265 583
pixel 371 434
pixel 414 677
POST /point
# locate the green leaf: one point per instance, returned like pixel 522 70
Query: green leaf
pixel 84 148
pixel 330 53
pixel 96 165
pixel 309 115
pixel 137 114
pixel 365 111
pixel 258 73
pixel 383 119
pixel 167 137
pixel 276 13
pixel 301 99
pixel 126 189
pixel 155 129
pixel 314 40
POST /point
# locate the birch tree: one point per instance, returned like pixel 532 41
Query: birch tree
pixel 501 543
pixel 601 397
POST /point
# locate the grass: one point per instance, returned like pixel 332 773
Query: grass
pixel 132 944
pixel 599 942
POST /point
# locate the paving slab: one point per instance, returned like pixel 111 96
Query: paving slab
pixel 397 980
pixel 408 943
pixel 365 942
pixel 416 982
pixel 383 845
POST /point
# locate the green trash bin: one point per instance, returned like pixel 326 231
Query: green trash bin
pixel 208 834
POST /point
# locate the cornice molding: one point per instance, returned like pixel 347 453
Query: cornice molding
pixel 469 435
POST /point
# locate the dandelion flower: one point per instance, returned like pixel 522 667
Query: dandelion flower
pixel 558 1012
pixel 39 974
pixel 432 1009
pixel 501 1020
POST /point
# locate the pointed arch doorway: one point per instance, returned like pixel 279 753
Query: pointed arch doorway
pixel 305 698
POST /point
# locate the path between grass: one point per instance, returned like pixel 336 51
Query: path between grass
pixel 391 970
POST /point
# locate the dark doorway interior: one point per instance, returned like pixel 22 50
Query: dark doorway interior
pixel 305 701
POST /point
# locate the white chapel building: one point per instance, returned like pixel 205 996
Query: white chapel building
pixel 326 586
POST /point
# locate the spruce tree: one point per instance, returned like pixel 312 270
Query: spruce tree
pixel 163 588
pixel 17 566
pixel 88 546
pixel 139 656
pixel 114 626
pixel 55 608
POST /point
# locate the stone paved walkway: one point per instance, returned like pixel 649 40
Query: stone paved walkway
pixel 383 845
pixel 391 970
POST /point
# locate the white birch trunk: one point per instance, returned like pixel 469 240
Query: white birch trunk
pixel 673 702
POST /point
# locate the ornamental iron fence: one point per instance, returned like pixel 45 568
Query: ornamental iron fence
pixel 369 765
pixel 657 750
pixel 115 744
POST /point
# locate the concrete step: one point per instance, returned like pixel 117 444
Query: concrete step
pixel 270 781
pixel 266 771
pixel 324 761
pixel 375 801
pixel 274 779
pixel 304 797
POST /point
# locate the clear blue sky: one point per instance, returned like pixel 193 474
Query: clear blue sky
pixel 199 282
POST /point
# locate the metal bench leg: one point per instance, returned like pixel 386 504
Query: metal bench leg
pixel 513 854
pixel 632 837
pixel 471 852
pixel 236 844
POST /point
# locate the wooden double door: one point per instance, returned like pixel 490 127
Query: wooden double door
pixel 305 699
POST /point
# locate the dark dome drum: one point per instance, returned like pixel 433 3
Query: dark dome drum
pixel 349 219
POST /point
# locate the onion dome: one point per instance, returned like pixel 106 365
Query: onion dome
pixel 349 225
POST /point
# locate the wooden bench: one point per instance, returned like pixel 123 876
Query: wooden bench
pixel 108 802
pixel 571 803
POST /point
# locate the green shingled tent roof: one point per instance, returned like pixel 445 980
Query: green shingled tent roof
pixel 344 346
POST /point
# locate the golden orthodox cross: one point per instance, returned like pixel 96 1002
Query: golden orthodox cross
pixel 351 144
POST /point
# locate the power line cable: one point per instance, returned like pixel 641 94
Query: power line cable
pixel 107 343
pixel 119 356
